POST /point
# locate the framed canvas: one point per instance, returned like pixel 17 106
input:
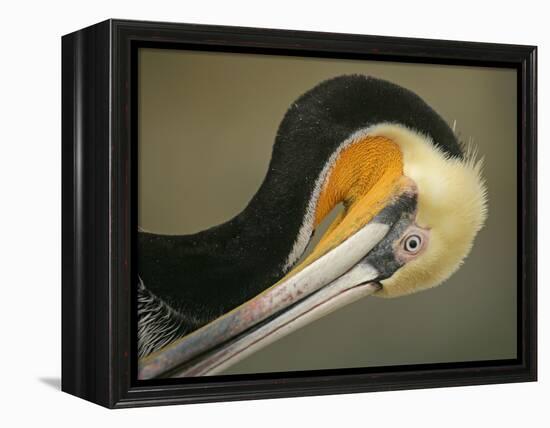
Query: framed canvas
pixel 253 213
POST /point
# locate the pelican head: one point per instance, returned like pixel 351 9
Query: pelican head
pixel 414 200
pixel 452 208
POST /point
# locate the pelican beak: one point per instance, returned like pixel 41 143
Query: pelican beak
pixel 341 271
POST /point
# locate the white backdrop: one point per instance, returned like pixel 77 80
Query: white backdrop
pixel 31 210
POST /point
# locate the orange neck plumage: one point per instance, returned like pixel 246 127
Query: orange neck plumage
pixel 363 177
pixel 370 165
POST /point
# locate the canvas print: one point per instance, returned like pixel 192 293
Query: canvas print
pixel 303 214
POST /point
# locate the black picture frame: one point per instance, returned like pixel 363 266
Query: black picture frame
pixel 99 212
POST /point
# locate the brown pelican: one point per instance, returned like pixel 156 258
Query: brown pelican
pixel 413 199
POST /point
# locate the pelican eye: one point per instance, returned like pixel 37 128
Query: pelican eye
pixel 412 244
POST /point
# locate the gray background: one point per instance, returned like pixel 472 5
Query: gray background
pixel 207 123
